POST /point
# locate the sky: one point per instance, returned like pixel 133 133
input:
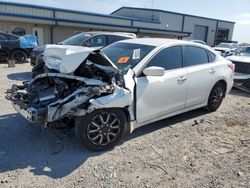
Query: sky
pixel 231 10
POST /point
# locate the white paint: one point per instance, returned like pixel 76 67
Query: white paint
pixel 65 59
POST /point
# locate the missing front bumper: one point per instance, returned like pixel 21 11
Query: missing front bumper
pixel 31 114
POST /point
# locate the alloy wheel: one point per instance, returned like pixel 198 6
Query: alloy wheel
pixel 104 128
pixel 217 95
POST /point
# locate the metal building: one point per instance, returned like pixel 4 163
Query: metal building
pixel 52 25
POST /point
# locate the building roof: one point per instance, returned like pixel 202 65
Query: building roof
pixel 54 19
pixel 67 10
pixel 164 11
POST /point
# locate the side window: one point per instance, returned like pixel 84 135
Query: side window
pixel 195 56
pixel 98 41
pixel 169 58
pixel 211 56
pixel 20 31
pixel 114 38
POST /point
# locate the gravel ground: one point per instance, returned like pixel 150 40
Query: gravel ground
pixel 194 149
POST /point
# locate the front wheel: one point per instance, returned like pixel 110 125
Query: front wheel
pixel 216 97
pixel 19 56
pixel 101 129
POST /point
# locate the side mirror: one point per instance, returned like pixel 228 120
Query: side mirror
pixel 154 71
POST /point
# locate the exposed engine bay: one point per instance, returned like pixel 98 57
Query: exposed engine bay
pixel 90 82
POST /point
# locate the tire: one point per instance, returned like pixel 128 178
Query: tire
pixel 19 56
pixel 101 129
pixel 216 97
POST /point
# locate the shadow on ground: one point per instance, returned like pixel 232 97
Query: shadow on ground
pixel 46 152
pixel 52 152
pixel 169 122
pixel 20 76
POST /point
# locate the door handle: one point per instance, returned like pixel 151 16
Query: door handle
pixel 182 79
pixel 211 71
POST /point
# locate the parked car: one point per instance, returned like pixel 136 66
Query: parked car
pixel 16 47
pixel 242 67
pixel 93 39
pixel 227 49
pixel 200 42
pixel 109 92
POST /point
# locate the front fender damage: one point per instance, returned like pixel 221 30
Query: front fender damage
pixel 41 101
pixel 119 98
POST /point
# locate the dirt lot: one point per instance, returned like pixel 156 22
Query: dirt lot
pixel 190 150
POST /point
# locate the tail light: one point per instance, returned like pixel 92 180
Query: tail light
pixel 231 66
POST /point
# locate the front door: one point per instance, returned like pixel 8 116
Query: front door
pixel 157 96
pixel 38 32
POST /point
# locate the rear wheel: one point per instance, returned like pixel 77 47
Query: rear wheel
pixel 19 56
pixel 216 97
pixel 101 129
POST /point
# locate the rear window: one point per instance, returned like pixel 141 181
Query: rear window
pixel 126 55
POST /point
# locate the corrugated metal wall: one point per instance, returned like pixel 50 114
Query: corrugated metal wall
pixel 151 16
pixel 26 11
pixel 90 18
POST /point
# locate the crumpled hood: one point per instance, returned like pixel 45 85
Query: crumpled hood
pixel 238 58
pixel 66 59
pixel 224 49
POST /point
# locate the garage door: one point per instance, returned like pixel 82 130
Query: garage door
pixel 200 32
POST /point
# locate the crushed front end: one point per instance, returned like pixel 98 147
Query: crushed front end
pixel 52 96
pixel 67 92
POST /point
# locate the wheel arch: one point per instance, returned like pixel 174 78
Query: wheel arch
pixel 224 84
pixel 129 119
pixel 20 50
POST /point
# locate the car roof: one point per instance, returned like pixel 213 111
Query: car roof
pixel 129 35
pixel 157 41
pixel 10 34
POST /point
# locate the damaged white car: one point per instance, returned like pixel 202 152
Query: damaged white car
pixel 106 94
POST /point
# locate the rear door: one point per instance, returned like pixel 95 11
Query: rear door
pixel 157 96
pixel 201 74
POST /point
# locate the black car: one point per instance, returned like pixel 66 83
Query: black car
pixel 16 47
pixel 87 39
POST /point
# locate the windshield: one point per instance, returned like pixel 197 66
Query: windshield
pixel 76 40
pixel 125 55
pixel 224 45
pixel 245 51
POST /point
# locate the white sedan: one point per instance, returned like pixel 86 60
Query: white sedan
pixel 105 94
